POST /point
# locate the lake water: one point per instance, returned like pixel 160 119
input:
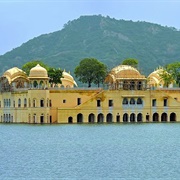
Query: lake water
pixel 101 151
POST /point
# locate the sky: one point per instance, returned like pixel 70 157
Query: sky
pixel 22 20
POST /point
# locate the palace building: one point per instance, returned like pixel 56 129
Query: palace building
pixel 130 97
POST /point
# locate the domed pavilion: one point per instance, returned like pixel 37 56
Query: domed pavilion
pixel 154 79
pixel 16 77
pixel 38 77
pixel 125 77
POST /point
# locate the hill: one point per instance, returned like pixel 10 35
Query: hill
pixel 107 39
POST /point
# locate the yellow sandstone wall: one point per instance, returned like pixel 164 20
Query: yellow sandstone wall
pixel 59 106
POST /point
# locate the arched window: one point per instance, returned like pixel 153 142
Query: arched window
pixel 125 85
pixel 47 102
pixel 34 102
pixel 42 118
pixel 41 84
pixel 35 84
pixel 25 102
pixel 139 85
pixel 125 101
pixel 132 85
pixel 19 102
pixel 139 101
pixel 29 102
pixel 50 103
pixel 132 101
pixel 42 103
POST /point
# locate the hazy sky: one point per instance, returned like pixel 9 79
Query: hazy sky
pixel 22 20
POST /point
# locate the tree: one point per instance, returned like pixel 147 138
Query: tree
pixel 131 62
pixel 174 69
pixel 55 75
pixel 29 65
pixel 90 70
pixel 166 77
pixel 100 74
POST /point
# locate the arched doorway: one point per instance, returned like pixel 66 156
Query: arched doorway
pixel 42 118
pixel 79 118
pixel 91 118
pixel 125 117
pixel 118 118
pixel 155 117
pixel 164 117
pixel 132 117
pixel 70 120
pixel 109 118
pixel 100 118
pixel 139 117
pixel 172 117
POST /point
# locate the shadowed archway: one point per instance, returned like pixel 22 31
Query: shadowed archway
pixel 155 117
pixel 79 118
pixel 125 117
pixel 109 118
pixel 100 118
pixel 91 118
pixel 172 117
pixel 164 117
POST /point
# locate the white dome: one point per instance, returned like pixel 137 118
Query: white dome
pixel 38 72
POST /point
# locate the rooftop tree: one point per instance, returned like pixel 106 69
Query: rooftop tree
pixel 131 62
pixel 174 70
pixel 55 75
pixel 90 70
pixel 166 77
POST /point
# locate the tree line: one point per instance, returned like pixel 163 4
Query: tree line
pixel 92 71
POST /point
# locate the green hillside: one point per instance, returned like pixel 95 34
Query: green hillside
pixel 106 39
